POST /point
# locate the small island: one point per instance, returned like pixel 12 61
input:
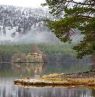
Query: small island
pixel 75 79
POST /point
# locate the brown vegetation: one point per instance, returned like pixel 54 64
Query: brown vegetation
pixel 57 80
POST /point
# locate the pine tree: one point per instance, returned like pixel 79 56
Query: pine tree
pixel 74 15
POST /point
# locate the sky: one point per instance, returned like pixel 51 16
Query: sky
pixel 23 3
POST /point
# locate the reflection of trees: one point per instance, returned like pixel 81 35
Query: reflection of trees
pixel 93 92
pixel 28 68
pixel 27 63
pixel 31 62
pixel 45 92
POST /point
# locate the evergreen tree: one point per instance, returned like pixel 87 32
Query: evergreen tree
pixel 74 15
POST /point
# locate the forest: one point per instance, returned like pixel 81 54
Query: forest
pixel 55 57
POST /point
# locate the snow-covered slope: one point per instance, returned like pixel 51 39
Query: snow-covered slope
pixel 24 25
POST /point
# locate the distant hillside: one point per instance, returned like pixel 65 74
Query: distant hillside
pixel 18 24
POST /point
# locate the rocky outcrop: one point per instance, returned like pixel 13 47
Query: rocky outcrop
pixel 31 62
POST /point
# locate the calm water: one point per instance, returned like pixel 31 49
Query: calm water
pixel 7 89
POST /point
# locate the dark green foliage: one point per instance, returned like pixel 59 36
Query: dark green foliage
pixel 27 48
pixel 57 49
pixel 74 15
pixel 59 58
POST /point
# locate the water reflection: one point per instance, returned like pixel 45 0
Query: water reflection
pixel 7 89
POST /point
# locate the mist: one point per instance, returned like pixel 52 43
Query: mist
pixel 25 25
